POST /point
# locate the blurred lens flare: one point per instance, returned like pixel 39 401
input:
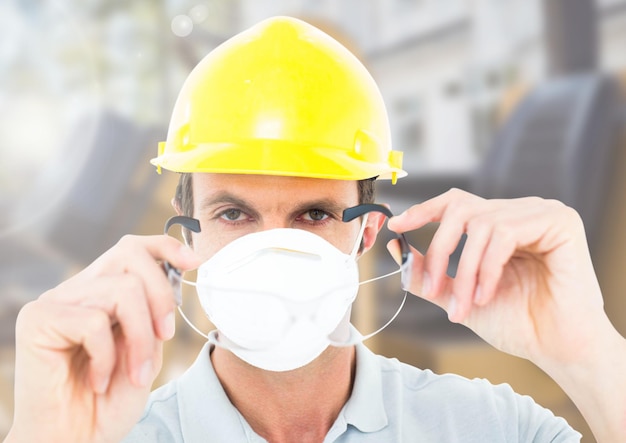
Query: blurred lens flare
pixel 182 25
pixel 47 83
pixel 199 13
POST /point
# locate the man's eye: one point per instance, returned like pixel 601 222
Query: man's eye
pixel 231 214
pixel 317 214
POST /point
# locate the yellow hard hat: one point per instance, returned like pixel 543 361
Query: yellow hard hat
pixel 282 98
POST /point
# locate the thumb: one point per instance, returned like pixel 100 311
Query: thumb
pixel 417 279
pixel 412 276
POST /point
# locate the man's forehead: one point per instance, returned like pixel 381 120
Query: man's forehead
pixel 213 181
pixel 240 188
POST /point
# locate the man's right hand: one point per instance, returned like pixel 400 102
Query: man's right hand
pixel 88 350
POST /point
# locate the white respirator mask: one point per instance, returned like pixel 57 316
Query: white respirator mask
pixel 279 298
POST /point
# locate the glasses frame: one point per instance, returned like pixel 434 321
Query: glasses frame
pixel 174 275
pixel 350 214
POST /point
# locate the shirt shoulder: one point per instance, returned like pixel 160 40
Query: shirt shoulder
pixel 450 407
pixel 160 420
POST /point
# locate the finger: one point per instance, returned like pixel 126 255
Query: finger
pixel 452 209
pixel 161 298
pixel 511 236
pixel 164 248
pixel 464 285
pixel 528 227
pixel 429 211
pixel 158 248
pixel 442 245
pixel 48 326
pixel 493 235
pixel 158 291
pixel 497 255
pixel 410 219
pixel 416 280
pixel 393 246
pixel 412 277
pixel 139 255
pixel 124 300
pixel 99 345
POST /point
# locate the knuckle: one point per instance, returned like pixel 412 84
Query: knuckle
pixel 456 209
pixel 26 313
pixel 143 296
pixel 463 204
pixel 128 241
pixel 567 212
pixel 503 233
pixel 99 323
pixel 63 292
pixel 555 204
pixel 31 318
pixel 478 224
pixel 534 200
pixel 571 214
pixel 456 192
pixel 133 284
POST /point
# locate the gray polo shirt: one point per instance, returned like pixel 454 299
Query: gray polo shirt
pixel 391 402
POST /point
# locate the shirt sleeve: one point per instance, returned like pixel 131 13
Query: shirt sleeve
pixel 526 421
pixel 449 407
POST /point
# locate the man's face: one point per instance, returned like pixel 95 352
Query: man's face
pixel 232 205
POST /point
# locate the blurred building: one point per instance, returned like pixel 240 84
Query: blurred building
pixel 86 88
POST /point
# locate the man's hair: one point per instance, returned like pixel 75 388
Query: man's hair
pixel 183 200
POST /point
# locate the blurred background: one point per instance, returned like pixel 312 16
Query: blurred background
pixel 504 98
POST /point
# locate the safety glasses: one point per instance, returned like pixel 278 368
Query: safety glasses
pixel 349 214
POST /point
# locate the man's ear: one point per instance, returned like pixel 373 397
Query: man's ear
pixel 375 222
pixel 176 205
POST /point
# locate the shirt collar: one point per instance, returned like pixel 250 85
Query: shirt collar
pixel 365 408
pixel 215 420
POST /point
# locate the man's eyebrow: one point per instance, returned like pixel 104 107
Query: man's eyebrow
pixel 329 205
pixel 226 197
pixel 326 204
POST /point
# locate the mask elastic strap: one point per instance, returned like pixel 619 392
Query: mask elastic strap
pixel 182 314
pixel 214 339
pixel 356 337
pixel 359 239
pixel 389 274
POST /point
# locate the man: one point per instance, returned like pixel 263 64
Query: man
pixel 277 132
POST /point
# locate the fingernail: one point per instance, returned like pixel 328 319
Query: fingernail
pixel 393 220
pixel 168 326
pixel 426 284
pixel 395 253
pixel 451 308
pixel 144 376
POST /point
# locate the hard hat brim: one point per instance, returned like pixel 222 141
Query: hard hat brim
pixel 274 157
